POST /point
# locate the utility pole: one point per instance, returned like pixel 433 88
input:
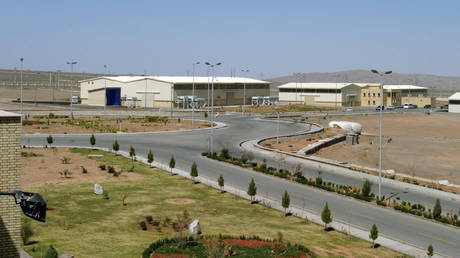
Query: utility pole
pixel 380 128
pixel 277 128
pixel 105 89
pixel 243 109
pixel 71 63
pixel 193 95
pixel 22 68
pixel 212 105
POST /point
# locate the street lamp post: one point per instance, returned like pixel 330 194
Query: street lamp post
pixel 277 128
pixel 243 109
pixel 193 95
pixel 71 63
pixel 211 142
pixel 22 68
pixel 380 128
pixel 105 88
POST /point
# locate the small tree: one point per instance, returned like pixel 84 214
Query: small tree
pixel 366 190
pixel 51 253
pixel 172 163
pixel 285 201
pixel 252 189
pixel 194 171
pixel 437 210
pixel 49 139
pixel 92 140
pixel 374 234
pixel 116 146
pixel 150 157
pixel 430 251
pixel 220 181
pixel 326 216
pixel 298 171
pixel 132 153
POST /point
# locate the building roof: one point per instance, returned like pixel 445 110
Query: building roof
pixel 403 87
pixel 180 79
pixel 4 113
pixel 315 85
pixel 456 96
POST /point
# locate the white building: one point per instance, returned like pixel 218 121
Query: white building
pixel 321 93
pixel 162 91
pixel 454 103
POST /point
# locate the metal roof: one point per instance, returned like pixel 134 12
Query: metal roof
pixel 180 79
pixel 456 96
pixel 4 113
pixel 403 87
pixel 316 85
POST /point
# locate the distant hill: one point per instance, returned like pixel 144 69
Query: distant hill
pixel 434 82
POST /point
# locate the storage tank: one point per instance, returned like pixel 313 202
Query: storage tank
pixel 346 125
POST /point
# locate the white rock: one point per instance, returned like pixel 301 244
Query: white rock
pixel 98 189
pixel 390 172
pixel 194 227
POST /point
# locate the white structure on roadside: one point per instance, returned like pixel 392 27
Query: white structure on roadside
pixel 454 103
pixel 162 91
pixel 321 93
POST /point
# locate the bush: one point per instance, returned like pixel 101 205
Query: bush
pixel 366 188
pixel 92 140
pixel 116 146
pixel 149 219
pixel 111 170
pixel 51 253
pixel 143 225
pixel 84 170
pixel 102 167
pixel 381 203
pixel 437 210
pixel 224 153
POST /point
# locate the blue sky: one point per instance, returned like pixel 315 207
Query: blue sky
pixel 270 37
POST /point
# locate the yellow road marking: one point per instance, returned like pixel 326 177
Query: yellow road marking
pixel 438 238
pixel 257 183
pixel 359 214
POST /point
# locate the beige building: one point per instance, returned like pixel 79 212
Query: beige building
pixel 327 94
pixel 10 178
pixel 396 95
pixel 161 91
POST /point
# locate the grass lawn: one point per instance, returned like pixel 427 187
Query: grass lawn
pixel 86 225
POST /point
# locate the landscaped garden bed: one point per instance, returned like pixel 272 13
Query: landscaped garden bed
pixel 356 192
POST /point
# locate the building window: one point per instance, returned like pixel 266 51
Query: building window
pixel 364 94
pixel 373 94
pixel 373 102
pixel 379 94
pixel 368 102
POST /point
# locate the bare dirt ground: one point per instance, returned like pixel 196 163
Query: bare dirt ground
pixel 416 144
pixel 43 169
pixel 45 125
pixel 29 94
pixel 295 143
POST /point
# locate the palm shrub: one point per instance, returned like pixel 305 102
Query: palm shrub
pixel 366 190
pixel 220 181
pixel 437 210
pixel 49 139
pixel 252 189
pixel 194 171
pixel 374 234
pixel 116 146
pixel 51 253
pixel 172 163
pixel 285 201
pixel 326 216
pixel 92 140
pixel 150 156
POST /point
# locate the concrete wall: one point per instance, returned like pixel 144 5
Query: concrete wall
pixel 454 108
pixel 96 97
pixel 370 96
pixel 420 101
pixel 10 178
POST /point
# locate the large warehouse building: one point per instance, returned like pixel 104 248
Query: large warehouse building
pixel 353 94
pixel 162 91
pixel 328 94
pixel 454 103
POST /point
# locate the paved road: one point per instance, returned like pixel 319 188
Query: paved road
pixel 187 146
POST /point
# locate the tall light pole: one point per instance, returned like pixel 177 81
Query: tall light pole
pixel 244 92
pixel 380 128
pixel 105 88
pixel 277 128
pixel 22 68
pixel 193 95
pixel 212 105
pixel 71 63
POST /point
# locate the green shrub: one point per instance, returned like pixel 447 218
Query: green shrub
pixel 111 170
pixel 51 253
pixel 84 170
pixel 102 167
pixel 143 225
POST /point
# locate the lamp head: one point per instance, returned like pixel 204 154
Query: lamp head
pixel 374 71
pixel 388 72
pixel 218 63
pixel 207 63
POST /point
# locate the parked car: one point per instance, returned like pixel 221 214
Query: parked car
pixel 409 106
pixel 378 108
pixel 391 107
pixel 427 106
pixel 348 109
pixel 445 106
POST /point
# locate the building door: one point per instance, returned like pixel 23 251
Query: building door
pixel 113 96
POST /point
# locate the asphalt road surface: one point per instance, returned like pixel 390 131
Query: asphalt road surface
pixel 187 147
